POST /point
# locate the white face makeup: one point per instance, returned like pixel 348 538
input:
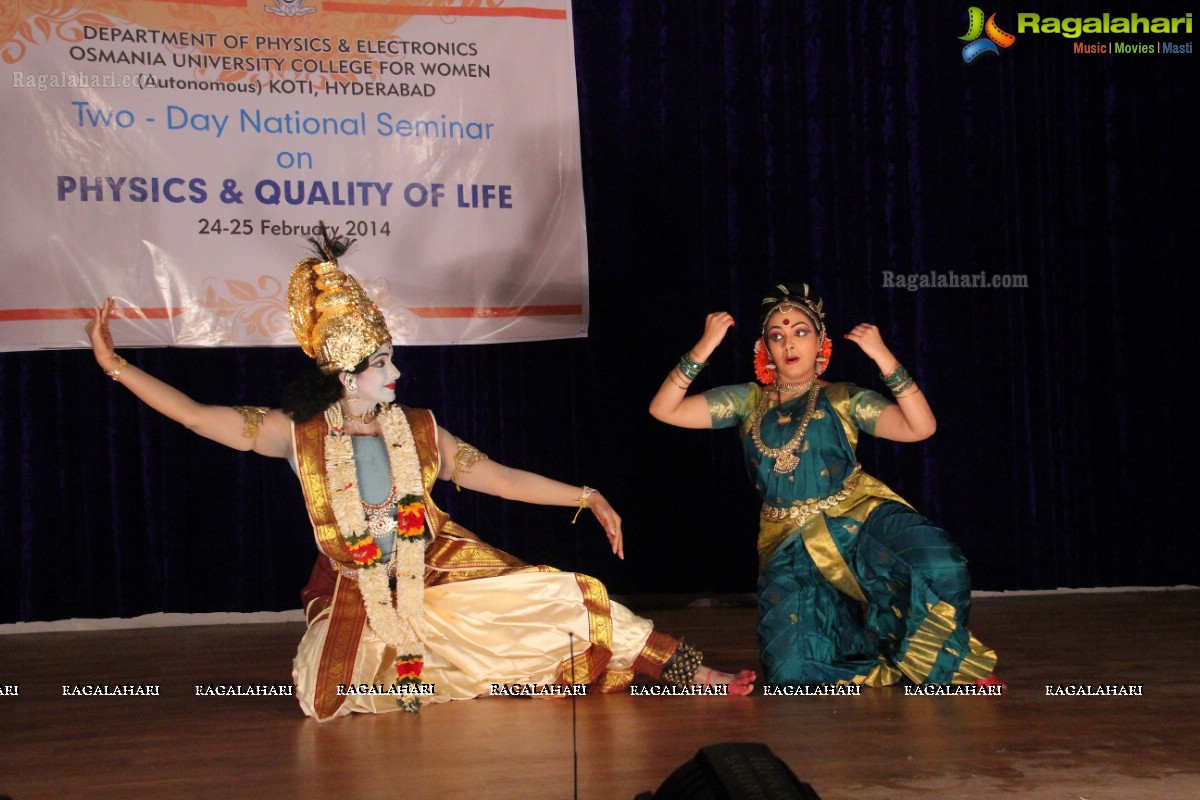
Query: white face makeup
pixel 377 383
pixel 793 344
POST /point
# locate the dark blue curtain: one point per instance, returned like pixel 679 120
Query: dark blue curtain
pixel 728 146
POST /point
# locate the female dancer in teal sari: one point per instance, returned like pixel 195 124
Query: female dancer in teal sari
pixel 855 586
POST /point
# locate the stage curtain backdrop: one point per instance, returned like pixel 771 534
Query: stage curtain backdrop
pixel 727 146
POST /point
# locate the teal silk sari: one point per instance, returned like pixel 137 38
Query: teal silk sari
pixel 854 585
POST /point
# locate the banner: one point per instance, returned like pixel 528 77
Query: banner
pixel 176 155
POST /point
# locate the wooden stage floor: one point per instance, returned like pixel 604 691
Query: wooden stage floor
pixel 882 744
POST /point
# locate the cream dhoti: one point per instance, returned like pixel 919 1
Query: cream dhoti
pixel 519 628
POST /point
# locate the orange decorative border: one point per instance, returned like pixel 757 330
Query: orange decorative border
pixel 447 11
pixel 425 312
pixel 484 312
pixel 36 314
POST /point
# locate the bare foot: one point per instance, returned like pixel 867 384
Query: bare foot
pixel 740 684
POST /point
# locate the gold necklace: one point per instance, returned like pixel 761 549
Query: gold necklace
pixel 366 418
pixel 780 386
pixel 785 418
pixel 786 459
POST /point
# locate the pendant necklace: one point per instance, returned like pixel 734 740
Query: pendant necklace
pixel 785 457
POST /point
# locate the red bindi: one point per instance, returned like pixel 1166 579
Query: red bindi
pixel 787 322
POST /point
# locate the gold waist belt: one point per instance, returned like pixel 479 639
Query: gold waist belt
pixel 803 512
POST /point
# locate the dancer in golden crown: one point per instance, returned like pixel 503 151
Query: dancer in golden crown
pixel 401 597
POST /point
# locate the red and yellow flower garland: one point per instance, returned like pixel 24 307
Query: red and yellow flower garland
pixel 394 616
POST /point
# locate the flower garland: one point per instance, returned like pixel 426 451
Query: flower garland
pixel 826 352
pixel 764 370
pixel 395 618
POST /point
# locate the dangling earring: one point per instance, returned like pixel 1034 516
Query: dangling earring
pixel 352 388
pixel 823 359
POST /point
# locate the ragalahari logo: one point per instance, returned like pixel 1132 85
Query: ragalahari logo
pixel 976 27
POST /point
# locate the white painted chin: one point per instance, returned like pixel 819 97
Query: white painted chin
pixel 383 397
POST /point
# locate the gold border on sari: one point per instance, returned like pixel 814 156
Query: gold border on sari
pixel 977 665
pixel 838 395
pixel 927 642
pixel 808 518
pixel 825 554
pixel 882 674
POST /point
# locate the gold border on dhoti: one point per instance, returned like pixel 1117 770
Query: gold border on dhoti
pixel 655 654
pixel 347 617
pixel 588 667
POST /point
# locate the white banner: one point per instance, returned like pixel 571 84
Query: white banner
pixel 175 156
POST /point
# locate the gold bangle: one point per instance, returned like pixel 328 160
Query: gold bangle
pixel 115 374
pixel 583 502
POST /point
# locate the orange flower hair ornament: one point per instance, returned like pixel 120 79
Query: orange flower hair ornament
pixel 823 359
pixel 764 370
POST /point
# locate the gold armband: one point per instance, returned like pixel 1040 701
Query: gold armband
pixel 465 458
pixel 254 417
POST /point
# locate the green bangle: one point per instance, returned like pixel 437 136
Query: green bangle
pixel 896 378
pixel 690 368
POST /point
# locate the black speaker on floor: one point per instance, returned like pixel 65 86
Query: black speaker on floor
pixel 733 771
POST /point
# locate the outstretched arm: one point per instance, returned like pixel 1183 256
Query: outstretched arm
pixel 222 424
pixel 671 404
pixel 489 477
pixel 911 419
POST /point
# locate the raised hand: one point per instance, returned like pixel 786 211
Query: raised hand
pixel 869 340
pixel 100 336
pixel 716 325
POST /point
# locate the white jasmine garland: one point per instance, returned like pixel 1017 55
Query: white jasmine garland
pixel 395 617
